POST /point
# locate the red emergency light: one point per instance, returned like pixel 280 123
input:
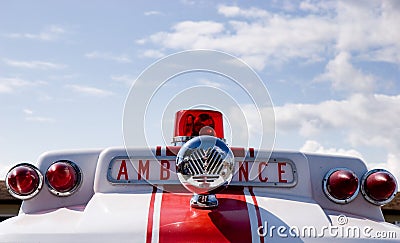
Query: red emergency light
pixel 24 181
pixel 63 177
pixel 341 185
pixel 193 123
pixel 379 186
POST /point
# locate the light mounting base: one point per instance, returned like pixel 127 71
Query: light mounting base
pixel 204 201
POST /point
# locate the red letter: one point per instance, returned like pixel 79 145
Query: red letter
pixel 143 169
pixel 281 171
pixel 265 179
pixel 164 170
pixel 244 171
pixel 123 171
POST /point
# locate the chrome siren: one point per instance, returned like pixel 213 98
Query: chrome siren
pixel 204 164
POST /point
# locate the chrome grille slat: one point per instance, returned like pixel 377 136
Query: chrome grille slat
pixel 197 162
pixel 192 168
pixel 217 160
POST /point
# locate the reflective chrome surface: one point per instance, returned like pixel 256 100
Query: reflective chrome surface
pixel 204 163
pixel 204 201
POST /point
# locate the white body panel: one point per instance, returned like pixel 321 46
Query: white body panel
pixel 101 211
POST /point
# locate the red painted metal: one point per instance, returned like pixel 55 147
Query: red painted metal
pixel 150 216
pixel 228 223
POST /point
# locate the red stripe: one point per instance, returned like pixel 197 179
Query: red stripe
pixel 172 150
pixel 150 216
pixel 228 223
pixel 238 152
pixel 259 223
pixel 158 151
pixel 251 151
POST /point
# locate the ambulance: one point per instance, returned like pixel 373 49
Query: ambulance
pixel 199 189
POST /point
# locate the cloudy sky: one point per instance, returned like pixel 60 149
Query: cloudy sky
pixel 332 69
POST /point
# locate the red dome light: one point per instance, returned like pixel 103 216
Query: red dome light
pixel 63 177
pixel 379 186
pixel 341 185
pixel 193 123
pixel 24 181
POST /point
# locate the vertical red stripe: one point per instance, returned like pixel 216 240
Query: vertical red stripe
pixel 259 223
pixel 158 151
pixel 150 216
pixel 251 152
pixel 228 223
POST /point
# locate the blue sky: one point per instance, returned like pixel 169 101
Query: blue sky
pixel 332 69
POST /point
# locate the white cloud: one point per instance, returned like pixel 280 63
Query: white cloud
pixel 89 90
pixel 210 83
pixel 34 64
pixel 108 56
pixel 362 121
pixel 235 11
pixel 370 27
pixel 188 2
pixel 127 79
pixel 30 116
pixel 321 29
pixel 316 6
pixel 369 120
pixel 345 77
pixel 188 34
pixel 312 146
pixel 391 164
pixel 152 12
pixel 28 111
pixel 153 54
pixel 361 28
pixel 40 119
pixel 267 38
pixel 8 85
pixel 50 33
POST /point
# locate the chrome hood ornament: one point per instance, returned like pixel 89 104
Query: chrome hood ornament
pixel 205 164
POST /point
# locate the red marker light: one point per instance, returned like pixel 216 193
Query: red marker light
pixel 63 178
pixel 24 181
pixel 192 123
pixel 379 186
pixel 341 185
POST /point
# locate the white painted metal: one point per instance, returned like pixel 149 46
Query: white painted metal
pixel 103 212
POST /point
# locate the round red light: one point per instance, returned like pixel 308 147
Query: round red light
pixel 379 186
pixel 24 181
pixel 341 185
pixel 62 177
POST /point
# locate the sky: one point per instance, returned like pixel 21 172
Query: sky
pixel 332 70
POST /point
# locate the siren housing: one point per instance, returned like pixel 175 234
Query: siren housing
pixel 193 123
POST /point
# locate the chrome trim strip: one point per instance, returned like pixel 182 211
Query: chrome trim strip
pixel 180 140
